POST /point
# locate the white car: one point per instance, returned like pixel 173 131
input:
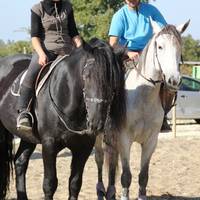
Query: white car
pixel 188 99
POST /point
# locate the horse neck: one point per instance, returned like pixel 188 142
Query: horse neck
pixel 140 79
pixel 65 87
pixel 148 61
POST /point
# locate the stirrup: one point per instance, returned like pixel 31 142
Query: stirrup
pixel 31 120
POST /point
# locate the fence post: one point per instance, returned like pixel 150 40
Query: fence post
pixel 24 50
pixel 174 121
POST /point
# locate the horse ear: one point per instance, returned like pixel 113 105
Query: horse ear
pixel 155 26
pixel 181 28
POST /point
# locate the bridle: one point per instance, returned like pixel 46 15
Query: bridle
pixel 163 79
pixel 91 61
pixel 87 100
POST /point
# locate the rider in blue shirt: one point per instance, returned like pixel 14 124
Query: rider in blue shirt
pixel 131 26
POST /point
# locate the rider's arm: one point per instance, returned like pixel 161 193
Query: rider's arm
pixel 132 55
pixel 36 35
pixel 113 40
pixel 38 48
pixel 157 16
pixel 77 41
pixel 73 32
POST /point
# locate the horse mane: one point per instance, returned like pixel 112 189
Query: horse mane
pixel 113 66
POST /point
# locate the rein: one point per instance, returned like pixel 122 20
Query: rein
pixel 154 82
pixel 62 116
pixel 86 100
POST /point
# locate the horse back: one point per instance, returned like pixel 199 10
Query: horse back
pixel 10 68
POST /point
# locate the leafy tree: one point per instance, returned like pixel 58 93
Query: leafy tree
pixel 20 47
pixel 191 49
pixel 11 47
pixel 93 17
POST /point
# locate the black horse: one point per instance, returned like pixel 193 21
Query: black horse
pixel 83 96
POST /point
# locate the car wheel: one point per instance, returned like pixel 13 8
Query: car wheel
pixel 197 121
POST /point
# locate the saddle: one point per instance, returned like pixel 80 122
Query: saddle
pixel 42 77
pixel 45 72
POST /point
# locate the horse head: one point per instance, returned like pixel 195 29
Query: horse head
pixel 102 79
pixel 167 53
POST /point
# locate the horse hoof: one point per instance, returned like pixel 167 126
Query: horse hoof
pixel 142 197
pixel 100 198
pixel 101 192
pixel 111 191
pixel 124 198
pixel 125 194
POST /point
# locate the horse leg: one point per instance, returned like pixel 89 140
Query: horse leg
pixel 5 160
pixel 79 158
pixel 147 151
pixel 112 165
pixel 21 163
pixel 49 154
pixel 126 177
pixel 99 158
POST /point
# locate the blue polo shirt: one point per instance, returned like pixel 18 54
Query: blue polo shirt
pixel 135 30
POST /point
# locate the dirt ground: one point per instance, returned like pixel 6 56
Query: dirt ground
pixel 174 170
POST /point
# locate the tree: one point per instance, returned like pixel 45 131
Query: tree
pixel 93 17
pixel 20 47
pixel 191 49
pixel 11 47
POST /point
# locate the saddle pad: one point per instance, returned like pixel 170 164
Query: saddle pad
pixel 43 80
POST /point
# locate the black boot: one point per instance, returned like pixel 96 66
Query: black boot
pixel 25 118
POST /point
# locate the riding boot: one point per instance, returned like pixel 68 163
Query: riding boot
pixel 25 119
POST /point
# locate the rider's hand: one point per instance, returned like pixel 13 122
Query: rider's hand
pixel 42 59
pixel 133 55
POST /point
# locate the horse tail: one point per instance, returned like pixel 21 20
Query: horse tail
pixel 118 107
pixel 6 160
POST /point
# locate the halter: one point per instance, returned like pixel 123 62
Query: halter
pixel 163 79
pixel 86 100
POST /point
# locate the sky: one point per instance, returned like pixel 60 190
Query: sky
pixel 15 16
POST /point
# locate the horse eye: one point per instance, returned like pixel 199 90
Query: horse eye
pixel 160 47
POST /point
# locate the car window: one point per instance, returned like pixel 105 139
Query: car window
pixel 189 85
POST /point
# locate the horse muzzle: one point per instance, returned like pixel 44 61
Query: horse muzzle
pixel 173 83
